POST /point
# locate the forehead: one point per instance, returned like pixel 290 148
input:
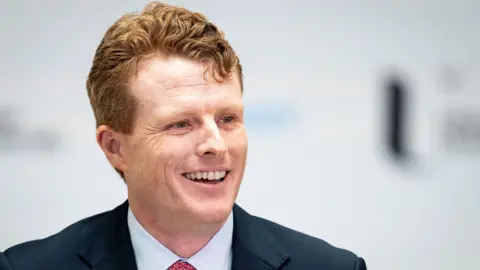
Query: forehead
pixel 161 79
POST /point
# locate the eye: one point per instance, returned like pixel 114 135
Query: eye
pixel 227 119
pixel 181 125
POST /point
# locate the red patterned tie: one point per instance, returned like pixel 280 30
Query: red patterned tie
pixel 181 265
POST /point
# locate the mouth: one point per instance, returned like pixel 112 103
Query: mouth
pixel 209 177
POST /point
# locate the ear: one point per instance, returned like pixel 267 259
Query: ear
pixel 111 143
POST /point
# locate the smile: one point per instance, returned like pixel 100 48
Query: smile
pixel 206 176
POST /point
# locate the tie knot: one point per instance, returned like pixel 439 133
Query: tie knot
pixel 181 265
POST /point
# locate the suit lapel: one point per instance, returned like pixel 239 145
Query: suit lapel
pixel 254 246
pixel 108 245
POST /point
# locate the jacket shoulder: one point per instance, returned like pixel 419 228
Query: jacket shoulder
pixel 311 251
pixel 58 249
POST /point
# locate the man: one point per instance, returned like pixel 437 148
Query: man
pixel 166 90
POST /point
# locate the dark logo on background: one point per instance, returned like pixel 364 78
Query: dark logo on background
pixel 16 137
pixel 459 125
pixel 396 119
pixel 461 131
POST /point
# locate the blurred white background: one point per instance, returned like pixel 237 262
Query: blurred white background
pixel 315 110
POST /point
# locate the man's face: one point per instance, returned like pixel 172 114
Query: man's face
pixel 188 148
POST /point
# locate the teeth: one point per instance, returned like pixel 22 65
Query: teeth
pixel 215 175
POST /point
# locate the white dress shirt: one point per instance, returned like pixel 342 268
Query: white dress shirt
pixel 150 254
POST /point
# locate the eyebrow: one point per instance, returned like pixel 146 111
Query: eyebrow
pixel 166 112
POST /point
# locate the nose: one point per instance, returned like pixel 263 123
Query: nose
pixel 212 142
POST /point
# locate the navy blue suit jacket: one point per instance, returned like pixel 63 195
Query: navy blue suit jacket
pixel 102 242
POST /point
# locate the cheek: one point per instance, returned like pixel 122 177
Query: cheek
pixel 173 154
pixel 238 143
pixel 145 154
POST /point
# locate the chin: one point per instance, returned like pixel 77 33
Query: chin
pixel 213 212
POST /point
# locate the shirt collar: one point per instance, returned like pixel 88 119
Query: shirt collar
pixel 151 254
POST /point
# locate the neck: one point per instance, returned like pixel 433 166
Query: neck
pixel 183 236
